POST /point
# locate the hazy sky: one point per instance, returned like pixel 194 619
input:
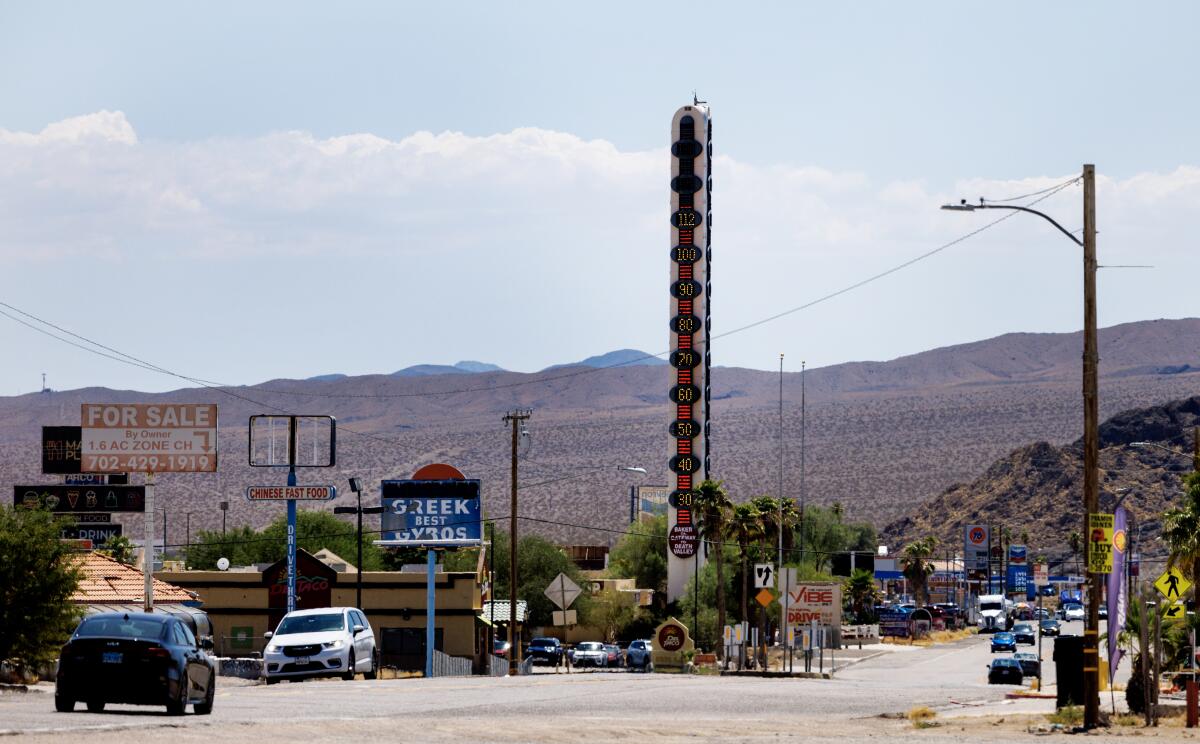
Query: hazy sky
pixel 244 191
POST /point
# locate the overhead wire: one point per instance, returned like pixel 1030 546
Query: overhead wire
pixel 134 361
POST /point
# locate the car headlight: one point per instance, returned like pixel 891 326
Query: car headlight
pixel 271 648
pixel 334 644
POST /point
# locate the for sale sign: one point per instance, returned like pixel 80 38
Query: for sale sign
pixel 808 601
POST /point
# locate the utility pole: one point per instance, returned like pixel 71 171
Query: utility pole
pixel 803 428
pixel 1091 450
pixel 515 418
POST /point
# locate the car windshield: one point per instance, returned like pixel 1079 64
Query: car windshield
pixel 1023 627
pixel 989 606
pixel 590 647
pixel 324 622
pixel 120 627
pixel 1004 636
pixel 1005 663
pixel 542 642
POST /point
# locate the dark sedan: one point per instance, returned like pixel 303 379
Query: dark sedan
pixel 1031 665
pixel 1024 633
pixel 135 658
pixel 1005 671
pixel 1003 641
pixel 1050 627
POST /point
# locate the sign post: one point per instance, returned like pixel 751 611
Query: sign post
pixel 151 438
pixel 437 508
pixel 263 455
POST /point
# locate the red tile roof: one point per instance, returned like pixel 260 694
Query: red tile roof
pixel 107 581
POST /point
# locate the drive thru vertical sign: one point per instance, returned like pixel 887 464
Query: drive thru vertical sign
pixel 148 438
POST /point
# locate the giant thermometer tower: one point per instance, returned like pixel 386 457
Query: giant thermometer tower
pixel 690 324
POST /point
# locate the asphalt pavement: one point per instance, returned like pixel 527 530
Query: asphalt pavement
pixel 949 678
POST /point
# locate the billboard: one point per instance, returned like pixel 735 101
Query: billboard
pixel 975 547
pixel 77 499
pixel 431 513
pixel 647 502
pixel 813 600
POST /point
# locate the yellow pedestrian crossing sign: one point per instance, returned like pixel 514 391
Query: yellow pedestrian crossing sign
pixel 1172 584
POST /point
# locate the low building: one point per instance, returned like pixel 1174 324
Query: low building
pixel 107 585
pixel 244 604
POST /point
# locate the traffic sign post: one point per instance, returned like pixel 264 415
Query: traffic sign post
pixel 1173 585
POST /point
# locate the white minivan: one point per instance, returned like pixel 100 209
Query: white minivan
pixel 330 641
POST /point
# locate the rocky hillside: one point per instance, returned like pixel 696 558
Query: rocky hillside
pixel 1038 489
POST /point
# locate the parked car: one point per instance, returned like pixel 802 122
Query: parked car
pixel 137 658
pixel 1003 641
pixel 589 653
pixel 545 651
pixel 1050 627
pixel 500 647
pixel 1024 633
pixel 1005 671
pixel 638 656
pixel 325 642
pixel 614 654
pixel 1031 665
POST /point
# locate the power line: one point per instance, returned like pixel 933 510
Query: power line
pixel 134 361
pixel 1058 187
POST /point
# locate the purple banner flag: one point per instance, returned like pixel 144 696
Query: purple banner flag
pixel 1118 602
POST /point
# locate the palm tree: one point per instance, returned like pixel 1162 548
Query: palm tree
pixel 1075 543
pixel 1181 531
pixel 745 526
pixel 714 507
pixel 915 564
pixel 862 590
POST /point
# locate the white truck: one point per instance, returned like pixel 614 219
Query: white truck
pixel 992 611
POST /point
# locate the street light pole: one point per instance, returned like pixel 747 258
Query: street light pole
pixel 1091 424
pixel 356 487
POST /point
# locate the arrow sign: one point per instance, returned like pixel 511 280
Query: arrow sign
pixel 764 575
pixel 562 591
pixel 1175 610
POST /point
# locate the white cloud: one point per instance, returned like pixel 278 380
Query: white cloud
pixel 565 218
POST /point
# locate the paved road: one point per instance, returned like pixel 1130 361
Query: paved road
pixel 549 707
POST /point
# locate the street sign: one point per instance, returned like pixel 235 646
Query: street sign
pixel 562 592
pixel 683 540
pixel 98 534
pixel 764 575
pixel 564 617
pixel 431 513
pixel 291 493
pixel 1172 584
pixel 149 438
pixel 74 499
pixel 1175 610
pixel 765 597
pixel 1099 542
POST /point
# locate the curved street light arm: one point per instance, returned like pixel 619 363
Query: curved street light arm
pixel 1043 215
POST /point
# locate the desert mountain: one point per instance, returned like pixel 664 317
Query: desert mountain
pixel 1038 489
pixel 881 437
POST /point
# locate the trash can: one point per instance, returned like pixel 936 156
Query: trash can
pixel 1068 667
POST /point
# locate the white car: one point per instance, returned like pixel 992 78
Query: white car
pixel 1073 612
pixel 589 653
pixel 331 641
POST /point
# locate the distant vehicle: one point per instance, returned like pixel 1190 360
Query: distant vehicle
pixel 137 658
pixel 1050 627
pixel 1070 596
pixel 500 648
pixel 1041 613
pixel 993 612
pixel 325 642
pixel 1103 611
pixel 614 654
pixel 638 656
pixel 1005 671
pixel 1031 665
pixel 1003 641
pixel 589 653
pixel 1047 591
pixel 1024 633
pixel 545 651
pixel 1072 612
